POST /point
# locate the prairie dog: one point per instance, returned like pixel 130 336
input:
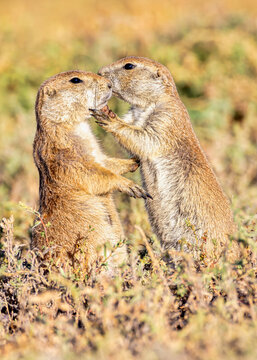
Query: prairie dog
pixel 76 177
pixel 188 202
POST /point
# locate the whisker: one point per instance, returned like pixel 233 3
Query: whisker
pixel 95 93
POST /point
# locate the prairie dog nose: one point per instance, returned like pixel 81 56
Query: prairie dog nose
pixel 109 85
pixel 102 72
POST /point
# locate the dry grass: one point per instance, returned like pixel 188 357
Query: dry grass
pixel 151 311
pixel 154 309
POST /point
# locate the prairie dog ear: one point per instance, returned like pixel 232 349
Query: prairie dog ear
pixel 48 91
pixel 156 74
pixel 163 76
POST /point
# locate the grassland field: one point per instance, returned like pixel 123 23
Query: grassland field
pixel 153 311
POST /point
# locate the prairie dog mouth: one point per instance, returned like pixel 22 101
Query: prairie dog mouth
pixel 104 101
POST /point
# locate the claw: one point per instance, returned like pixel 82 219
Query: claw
pixel 100 123
pixel 133 193
pixel 148 195
pixel 140 193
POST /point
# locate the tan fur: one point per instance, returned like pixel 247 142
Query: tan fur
pixel 76 178
pixel 188 202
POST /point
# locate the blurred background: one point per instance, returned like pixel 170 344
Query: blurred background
pixel 209 47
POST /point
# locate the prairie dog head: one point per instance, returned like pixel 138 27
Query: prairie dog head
pixel 139 81
pixel 68 96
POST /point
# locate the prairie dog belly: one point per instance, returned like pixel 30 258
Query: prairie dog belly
pixel 106 222
pixel 163 181
pixel 97 223
pixel 84 131
pixel 110 231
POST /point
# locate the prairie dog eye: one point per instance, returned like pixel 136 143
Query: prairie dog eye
pixel 129 66
pixel 76 80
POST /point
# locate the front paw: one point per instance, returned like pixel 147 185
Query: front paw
pixel 134 164
pixel 132 189
pixel 104 117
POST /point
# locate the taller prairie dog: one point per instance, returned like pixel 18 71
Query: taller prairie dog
pixel 76 179
pixel 188 203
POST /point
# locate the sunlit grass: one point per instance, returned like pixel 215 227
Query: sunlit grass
pixel 152 311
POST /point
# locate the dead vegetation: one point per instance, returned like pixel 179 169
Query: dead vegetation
pixel 153 309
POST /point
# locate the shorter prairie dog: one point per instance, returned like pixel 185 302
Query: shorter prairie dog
pixel 76 178
pixel 188 202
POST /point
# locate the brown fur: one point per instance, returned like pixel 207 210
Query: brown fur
pixel 76 178
pixel 188 203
